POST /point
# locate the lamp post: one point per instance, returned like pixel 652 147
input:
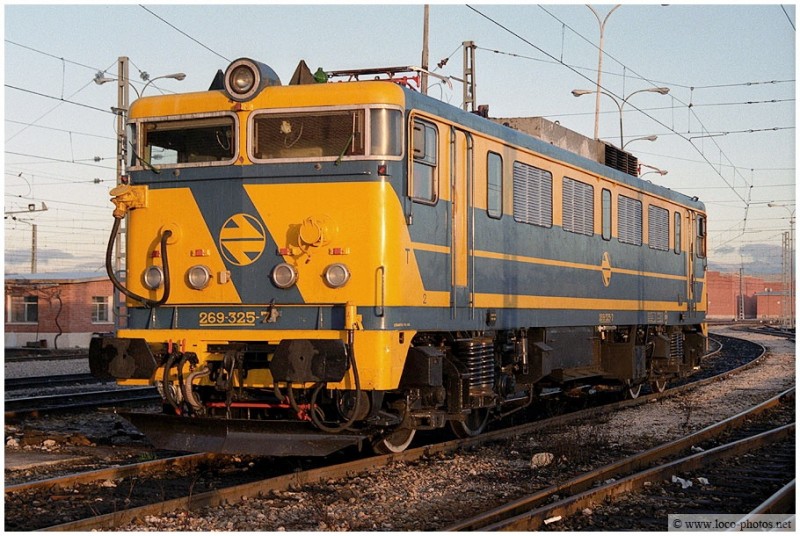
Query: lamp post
pixel 31 208
pixel 788 266
pixel 620 105
pixel 99 79
pixel 602 24
pixel 121 111
pixel 123 83
pixel 652 137
pixel 654 169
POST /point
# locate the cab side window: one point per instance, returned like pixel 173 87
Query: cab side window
pixel 701 236
pixel 494 185
pixel 425 173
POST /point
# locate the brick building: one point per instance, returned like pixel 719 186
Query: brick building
pixel 59 310
pixel 770 306
pixel 726 289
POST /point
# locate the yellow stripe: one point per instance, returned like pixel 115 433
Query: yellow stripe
pixel 431 247
pixel 506 301
pixel 546 262
pixel 500 301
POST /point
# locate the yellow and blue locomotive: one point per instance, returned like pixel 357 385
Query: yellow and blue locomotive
pixel 317 265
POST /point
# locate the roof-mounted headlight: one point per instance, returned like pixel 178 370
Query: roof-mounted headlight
pixel 245 78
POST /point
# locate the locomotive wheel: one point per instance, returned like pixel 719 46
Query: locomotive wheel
pixel 631 391
pixel 473 425
pixel 395 441
pixel 659 385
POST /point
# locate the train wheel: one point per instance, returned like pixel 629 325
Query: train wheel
pixel 659 385
pixel 631 391
pixel 395 441
pixel 473 425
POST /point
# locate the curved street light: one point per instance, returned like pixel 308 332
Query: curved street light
pixel 602 24
pixel 661 172
pixel 100 79
pixel 581 92
pixel 652 137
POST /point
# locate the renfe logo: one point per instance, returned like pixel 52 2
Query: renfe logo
pixel 605 268
pixel 242 239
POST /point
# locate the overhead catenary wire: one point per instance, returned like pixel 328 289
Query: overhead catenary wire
pixel 698 149
pixel 67 101
pixel 637 77
pixel 654 119
pixel 184 33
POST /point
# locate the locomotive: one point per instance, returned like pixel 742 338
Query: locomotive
pixel 322 264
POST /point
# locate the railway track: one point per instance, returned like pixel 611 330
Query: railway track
pixel 538 511
pixel 30 407
pixel 38 382
pixel 195 497
pixel 643 500
pixel 45 357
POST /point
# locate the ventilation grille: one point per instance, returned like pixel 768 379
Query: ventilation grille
pixel 625 162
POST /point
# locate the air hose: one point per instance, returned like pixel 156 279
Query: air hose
pixel 109 269
pixel 344 426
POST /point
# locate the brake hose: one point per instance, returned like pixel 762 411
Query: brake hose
pixel 345 426
pixel 109 269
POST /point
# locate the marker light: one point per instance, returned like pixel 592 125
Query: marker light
pixel 153 277
pixel 198 276
pixel 336 275
pixel 244 78
pixel 284 275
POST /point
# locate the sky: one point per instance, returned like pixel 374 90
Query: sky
pixel 725 131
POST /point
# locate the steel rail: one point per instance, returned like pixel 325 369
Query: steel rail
pixel 32 382
pixel 51 357
pixel 535 519
pixel 614 469
pixel 34 406
pixel 780 501
pixel 114 473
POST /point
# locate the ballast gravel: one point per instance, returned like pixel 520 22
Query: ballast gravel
pixel 435 492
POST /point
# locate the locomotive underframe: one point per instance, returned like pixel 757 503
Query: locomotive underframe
pixel 463 379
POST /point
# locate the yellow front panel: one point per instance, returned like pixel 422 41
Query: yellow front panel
pixel 363 220
pixel 191 244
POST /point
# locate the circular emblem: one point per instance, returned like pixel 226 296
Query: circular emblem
pixel 242 239
pixel 605 268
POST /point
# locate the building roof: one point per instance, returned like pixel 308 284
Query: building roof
pixel 56 277
pixel 773 293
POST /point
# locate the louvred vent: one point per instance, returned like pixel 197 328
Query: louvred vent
pixel 625 162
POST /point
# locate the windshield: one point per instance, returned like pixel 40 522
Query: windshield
pixel 332 134
pixel 187 141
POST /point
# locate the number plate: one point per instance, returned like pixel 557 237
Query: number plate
pixel 228 318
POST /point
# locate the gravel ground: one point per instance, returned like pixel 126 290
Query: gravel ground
pixel 34 367
pixel 435 492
